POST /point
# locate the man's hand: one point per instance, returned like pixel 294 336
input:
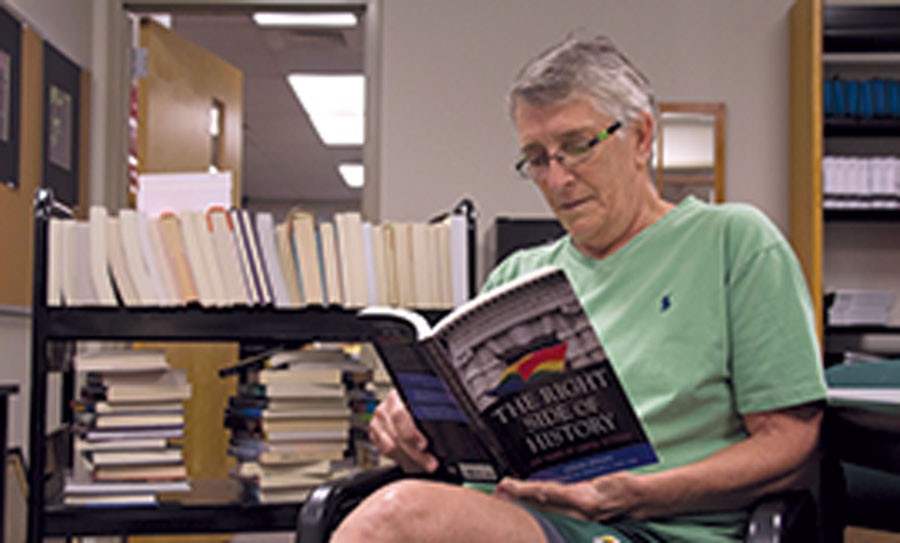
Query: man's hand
pixel 597 500
pixel 779 454
pixel 394 433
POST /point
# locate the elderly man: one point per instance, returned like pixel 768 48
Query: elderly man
pixel 702 309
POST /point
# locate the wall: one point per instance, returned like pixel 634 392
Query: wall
pixel 68 26
pixel 445 68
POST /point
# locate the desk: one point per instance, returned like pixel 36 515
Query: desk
pixel 868 437
pixel 5 392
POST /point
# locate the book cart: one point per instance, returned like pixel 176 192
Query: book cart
pixel 211 506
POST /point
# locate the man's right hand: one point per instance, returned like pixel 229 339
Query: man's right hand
pixel 394 433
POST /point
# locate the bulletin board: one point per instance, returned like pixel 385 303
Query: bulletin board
pixel 16 202
pixel 10 90
pixel 16 224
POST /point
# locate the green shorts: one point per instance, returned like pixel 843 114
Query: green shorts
pixel 564 529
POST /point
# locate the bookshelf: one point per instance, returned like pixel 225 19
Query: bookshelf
pixel 211 506
pixel 841 248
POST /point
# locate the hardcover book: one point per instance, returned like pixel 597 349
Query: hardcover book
pixel 514 382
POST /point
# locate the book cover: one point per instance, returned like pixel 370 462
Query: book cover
pixel 514 382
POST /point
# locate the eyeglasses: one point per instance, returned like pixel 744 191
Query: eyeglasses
pixel 537 166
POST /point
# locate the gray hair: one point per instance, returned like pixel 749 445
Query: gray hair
pixel 593 66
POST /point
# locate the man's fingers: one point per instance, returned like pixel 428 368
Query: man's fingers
pixel 394 433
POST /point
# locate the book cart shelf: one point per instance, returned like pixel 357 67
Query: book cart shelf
pixel 211 506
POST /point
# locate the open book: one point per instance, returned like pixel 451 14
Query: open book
pixel 514 382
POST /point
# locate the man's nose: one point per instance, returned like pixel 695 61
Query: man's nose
pixel 557 174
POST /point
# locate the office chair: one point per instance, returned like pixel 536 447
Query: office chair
pixel 789 517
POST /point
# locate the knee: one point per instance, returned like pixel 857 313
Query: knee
pixel 396 513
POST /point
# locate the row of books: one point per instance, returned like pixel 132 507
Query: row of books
pixel 865 98
pixel 129 429
pixel 861 182
pixel 229 257
pixel 291 421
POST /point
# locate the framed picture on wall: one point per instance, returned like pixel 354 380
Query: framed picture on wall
pixel 10 77
pixel 60 131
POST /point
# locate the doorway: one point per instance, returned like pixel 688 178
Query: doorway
pixel 285 164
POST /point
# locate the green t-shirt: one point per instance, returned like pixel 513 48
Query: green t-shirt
pixel 705 316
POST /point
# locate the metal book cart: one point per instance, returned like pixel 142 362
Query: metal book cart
pixel 211 507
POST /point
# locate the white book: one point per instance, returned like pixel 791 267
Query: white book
pixel 441 233
pixel 380 259
pixel 288 264
pixel 422 268
pixel 887 396
pixel 99 259
pixel 265 229
pixel 118 265
pixel 78 286
pixel 351 252
pixel 331 263
pixel 152 263
pixel 74 487
pixel 389 249
pixel 222 232
pixel 134 257
pixel 303 230
pixel 404 264
pixel 459 260
pixel 208 252
pixel 206 289
pixel 369 259
pixel 55 251
pixel 121 361
pixel 164 263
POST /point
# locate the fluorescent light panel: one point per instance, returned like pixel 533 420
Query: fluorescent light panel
pixel 332 20
pixel 353 174
pixel 335 104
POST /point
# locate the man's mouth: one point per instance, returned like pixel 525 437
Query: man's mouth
pixel 572 204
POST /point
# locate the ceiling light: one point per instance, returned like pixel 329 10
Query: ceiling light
pixel 335 20
pixel 353 174
pixel 335 105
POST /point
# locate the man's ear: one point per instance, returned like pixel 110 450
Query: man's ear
pixel 645 126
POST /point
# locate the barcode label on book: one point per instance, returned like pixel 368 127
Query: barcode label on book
pixel 477 472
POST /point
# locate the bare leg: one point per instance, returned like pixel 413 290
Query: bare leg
pixel 413 511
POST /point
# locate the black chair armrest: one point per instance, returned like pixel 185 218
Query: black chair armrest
pixel 329 503
pixel 784 518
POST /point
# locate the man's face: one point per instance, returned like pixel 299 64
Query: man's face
pixel 596 201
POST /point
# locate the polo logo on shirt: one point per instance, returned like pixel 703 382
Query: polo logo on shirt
pixel 665 303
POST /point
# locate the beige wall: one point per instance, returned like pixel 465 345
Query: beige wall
pixel 445 67
pixel 67 25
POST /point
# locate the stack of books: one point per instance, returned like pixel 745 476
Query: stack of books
pixel 129 428
pixel 853 182
pixel 228 257
pixel 854 307
pixel 290 422
pixel 363 401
